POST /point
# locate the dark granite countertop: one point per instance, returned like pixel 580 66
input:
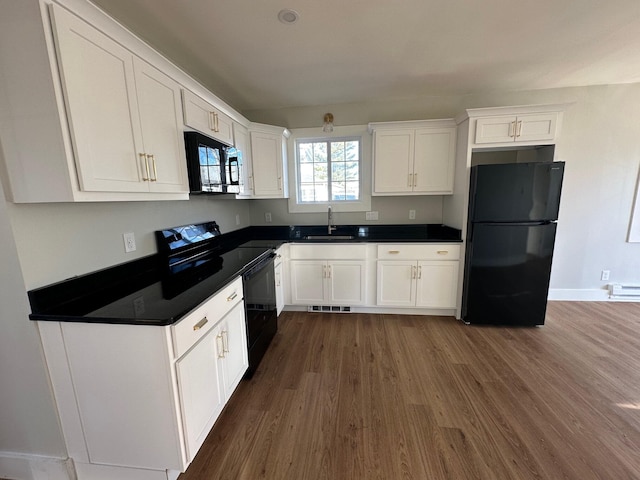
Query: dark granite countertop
pixel 142 292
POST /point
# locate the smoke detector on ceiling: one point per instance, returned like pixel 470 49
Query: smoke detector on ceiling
pixel 288 16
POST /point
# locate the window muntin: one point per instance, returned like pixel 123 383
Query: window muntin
pixel 329 170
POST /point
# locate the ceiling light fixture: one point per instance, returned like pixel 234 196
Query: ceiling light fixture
pixel 328 123
pixel 288 16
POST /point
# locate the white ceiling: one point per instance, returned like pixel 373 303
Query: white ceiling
pixel 357 51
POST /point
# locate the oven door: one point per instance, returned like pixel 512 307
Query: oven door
pixel 260 307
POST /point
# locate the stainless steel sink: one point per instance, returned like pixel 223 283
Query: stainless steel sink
pixel 329 237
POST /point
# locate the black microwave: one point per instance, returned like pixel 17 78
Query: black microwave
pixel 213 167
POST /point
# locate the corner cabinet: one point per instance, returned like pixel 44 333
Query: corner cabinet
pixel 414 157
pixel 138 401
pixel 418 275
pixel 124 115
pixel 266 166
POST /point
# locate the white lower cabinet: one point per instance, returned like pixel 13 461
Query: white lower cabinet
pixel 279 279
pixel 318 277
pixel 201 394
pixel 412 282
pixel 137 399
pixel 208 374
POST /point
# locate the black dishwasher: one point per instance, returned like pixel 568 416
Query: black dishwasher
pixel 260 307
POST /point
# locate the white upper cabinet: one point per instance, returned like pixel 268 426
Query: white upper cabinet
pixel 160 114
pixel 124 115
pixel 512 128
pixel 241 142
pixel 413 158
pixel 205 118
pixel 100 96
pixel 269 161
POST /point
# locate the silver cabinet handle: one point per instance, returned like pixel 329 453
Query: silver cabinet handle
pixel 512 129
pixel 413 272
pixel 415 179
pixel 231 297
pixel 212 125
pixel 443 252
pixel 216 127
pixel 410 180
pixel 329 271
pixel 419 273
pixel 394 252
pixel 519 129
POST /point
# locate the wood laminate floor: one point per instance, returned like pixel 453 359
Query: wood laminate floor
pixel 355 396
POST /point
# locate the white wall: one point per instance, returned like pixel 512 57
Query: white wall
pixel 57 241
pixel 599 142
pixel 28 418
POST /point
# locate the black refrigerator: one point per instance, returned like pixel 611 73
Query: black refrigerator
pixel 511 231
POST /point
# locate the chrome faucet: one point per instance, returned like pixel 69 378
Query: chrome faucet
pixel 330 227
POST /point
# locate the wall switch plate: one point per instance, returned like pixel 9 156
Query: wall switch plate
pixel 267 217
pixel 605 274
pixel 237 219
pixel 412 214
pixel 129 242
pixel 371 215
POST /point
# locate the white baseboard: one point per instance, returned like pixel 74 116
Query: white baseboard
pixel 448 312
pixel 579 295
pixel 15 466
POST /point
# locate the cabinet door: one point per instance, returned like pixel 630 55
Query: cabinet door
pixel 307 281
pixel 266 157
pixel 346 282
pixel 437 284
pixel 100 96
pixel 231 344
pixel 204 117
pixel 279 288
pixel 161 118
pixel 434 160
pixel 241 141
pixel 533 128
pixel 393 161
pixel 201 393
pixel 498 129
pixel 396 283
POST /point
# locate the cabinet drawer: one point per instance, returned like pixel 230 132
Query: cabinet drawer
pixel 194 326
pixel 328 252
pixel 446 251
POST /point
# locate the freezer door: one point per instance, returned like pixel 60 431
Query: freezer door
pixel 507 273
pixel 516 192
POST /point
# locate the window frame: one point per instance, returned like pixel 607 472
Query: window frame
pixel 315 134
pixel 330 181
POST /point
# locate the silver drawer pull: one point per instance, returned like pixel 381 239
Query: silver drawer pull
pixel 200 324
pixel 232 296
pixel 443 252
pixel 394 252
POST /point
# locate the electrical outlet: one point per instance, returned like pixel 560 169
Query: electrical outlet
pixel 267 217
pixel 138 307
pixel 374 215
pixel 237 219
pixel 412 214
pixel 129 242
pixel 605 274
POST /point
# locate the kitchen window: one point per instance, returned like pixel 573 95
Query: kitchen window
pixel 328 170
